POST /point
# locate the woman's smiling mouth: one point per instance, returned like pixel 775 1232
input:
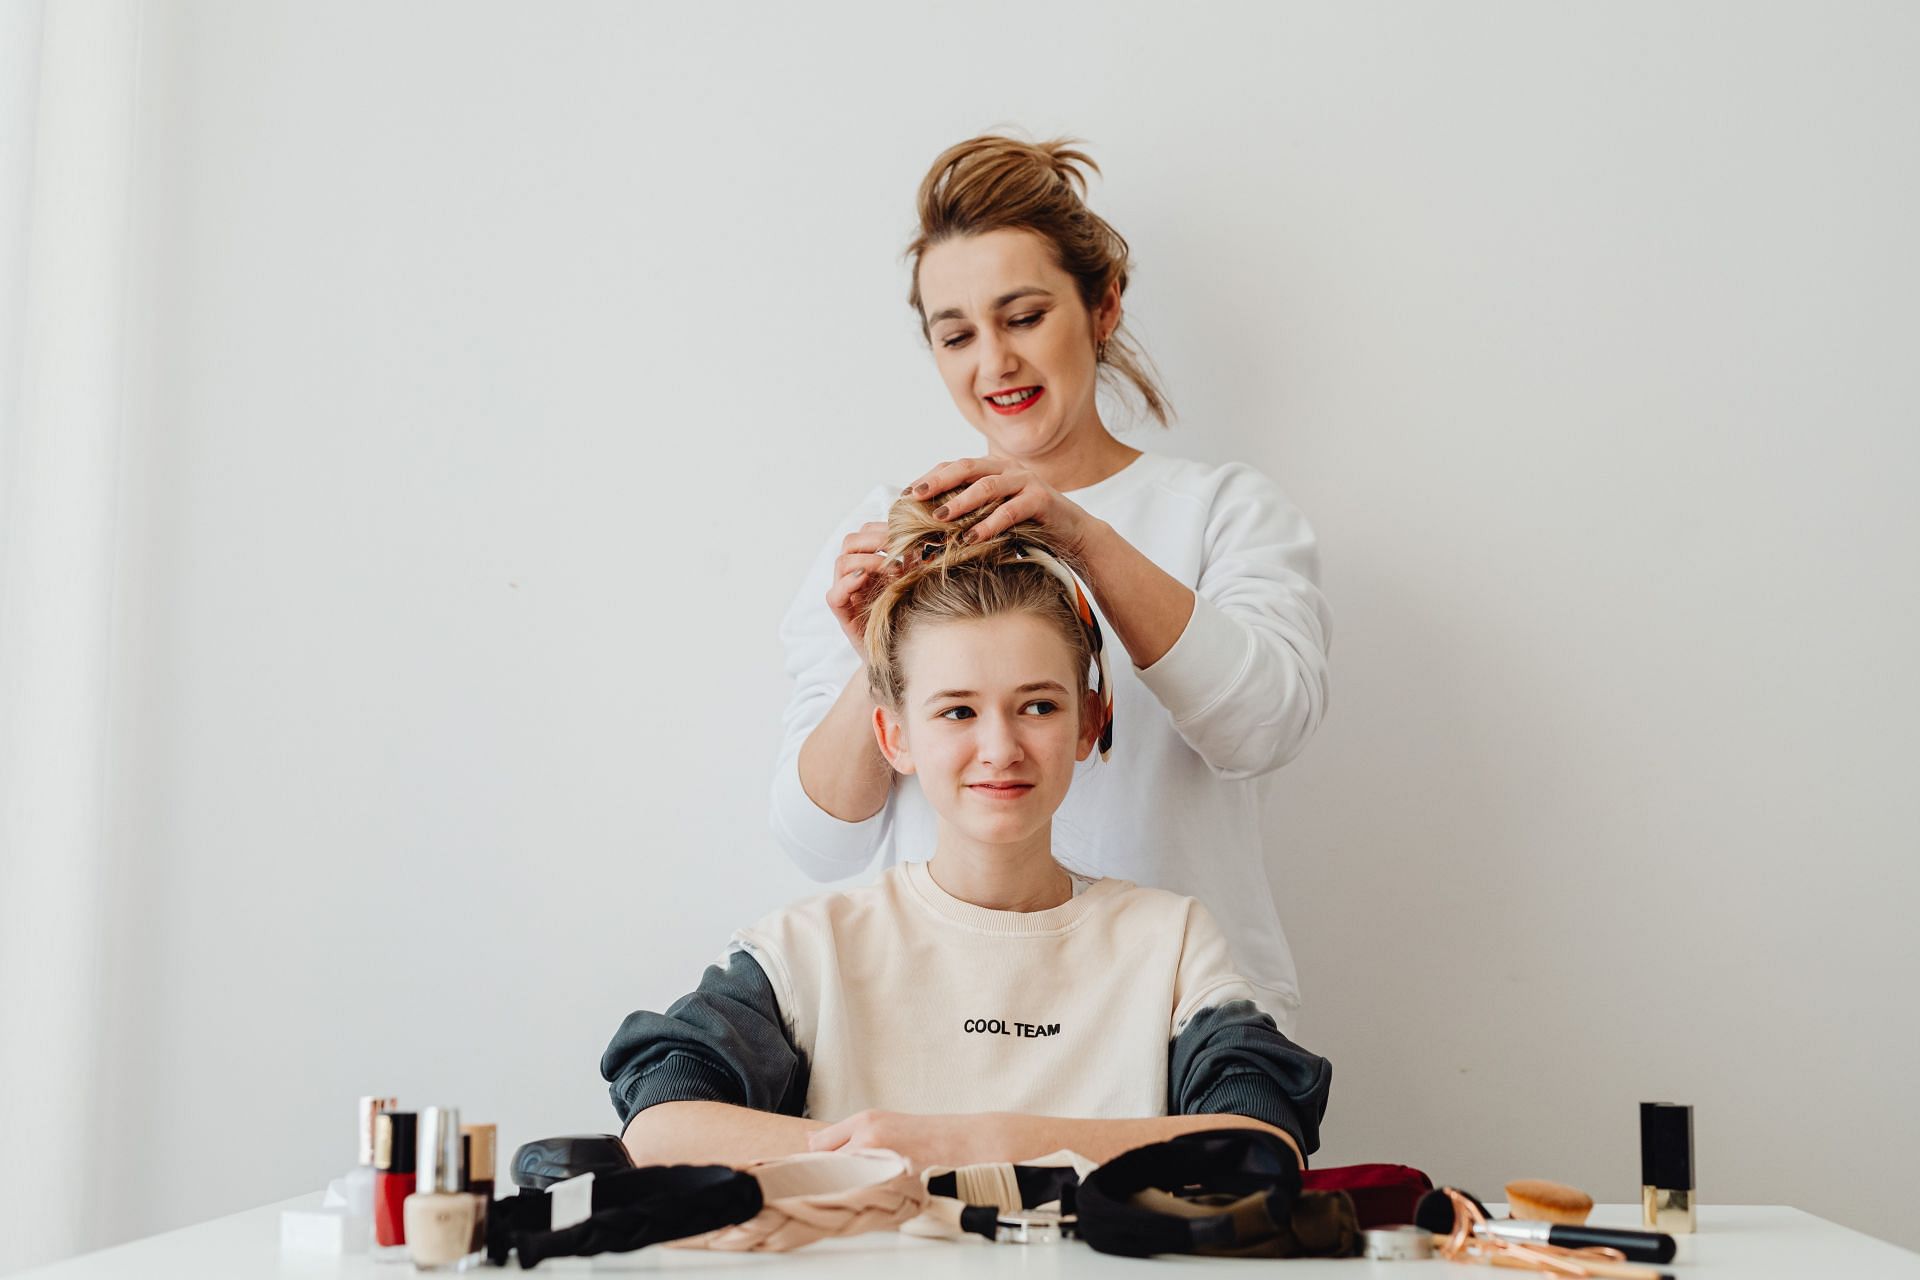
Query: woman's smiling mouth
pixel 1000 790
pixel 1014 401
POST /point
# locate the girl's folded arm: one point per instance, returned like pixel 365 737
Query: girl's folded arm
pixel 718 1067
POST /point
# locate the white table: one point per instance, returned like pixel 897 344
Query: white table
pixel 1755 1242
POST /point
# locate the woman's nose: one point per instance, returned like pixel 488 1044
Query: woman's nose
pixel 997 360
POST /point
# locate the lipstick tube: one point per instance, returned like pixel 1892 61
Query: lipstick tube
pixel 1666 1167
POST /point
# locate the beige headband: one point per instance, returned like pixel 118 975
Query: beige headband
pixel 819 1194
pixel 982 1184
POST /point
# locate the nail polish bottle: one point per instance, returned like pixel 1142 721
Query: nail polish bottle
pixel 353 1191
pixel 440 1216
pixel 393 1181
pixel 476 1150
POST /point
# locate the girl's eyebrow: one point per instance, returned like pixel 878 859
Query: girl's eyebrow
pixel 1024 291
pixel 1032 686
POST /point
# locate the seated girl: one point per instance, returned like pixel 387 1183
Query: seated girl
pixel 987 1004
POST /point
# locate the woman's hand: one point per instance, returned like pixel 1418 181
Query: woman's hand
pixel 923 1140
pixel 1024 495
pixel 858 574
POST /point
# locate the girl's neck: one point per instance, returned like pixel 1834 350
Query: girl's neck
pixel 996 877
pixel 1087 456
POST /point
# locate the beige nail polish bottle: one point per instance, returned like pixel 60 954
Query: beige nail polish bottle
pixel 440 1216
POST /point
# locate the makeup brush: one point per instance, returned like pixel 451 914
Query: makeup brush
pixel 1435 1213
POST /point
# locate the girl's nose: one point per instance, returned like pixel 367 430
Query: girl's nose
pixel 997 744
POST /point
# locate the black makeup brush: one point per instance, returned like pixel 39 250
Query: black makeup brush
pixel 1435 1214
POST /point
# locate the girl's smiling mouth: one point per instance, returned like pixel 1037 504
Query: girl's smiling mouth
pixel 1000 790
pixel 1015 401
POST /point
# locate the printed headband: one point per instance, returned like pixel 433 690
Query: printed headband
pixel 1080 606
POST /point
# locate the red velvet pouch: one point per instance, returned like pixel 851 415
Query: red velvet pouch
pixel 1383 1194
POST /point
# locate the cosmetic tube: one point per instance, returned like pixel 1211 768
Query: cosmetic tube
pixel 393 1181
pixel 1666 1167
pixel 440 1216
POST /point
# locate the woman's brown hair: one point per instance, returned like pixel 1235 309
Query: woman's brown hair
pixel 944 578
pixel 993 182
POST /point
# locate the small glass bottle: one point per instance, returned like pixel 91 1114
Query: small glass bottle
pixel 353 1190
pixel 393 1181
pixel 476 1150
pixel 440 1216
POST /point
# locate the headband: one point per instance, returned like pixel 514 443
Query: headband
pixel 1224 1192
pixel 1027 551
pixel 930 547
pixel 818 1194
pixel 972 1198
pixel 631 1209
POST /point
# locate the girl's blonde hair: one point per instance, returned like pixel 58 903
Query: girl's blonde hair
pixel 993 182
pixel 943 579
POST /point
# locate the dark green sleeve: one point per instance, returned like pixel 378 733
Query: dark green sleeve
pixel 726 1042
pixel 1232 1060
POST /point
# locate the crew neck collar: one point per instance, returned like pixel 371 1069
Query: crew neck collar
pixel 1125 478
pixel 1030 924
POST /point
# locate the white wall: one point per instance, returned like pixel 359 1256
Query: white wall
pixel 499 368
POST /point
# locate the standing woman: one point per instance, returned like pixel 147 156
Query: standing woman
pixel 1204 575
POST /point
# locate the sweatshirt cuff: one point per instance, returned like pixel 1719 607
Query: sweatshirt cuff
pixel 823 846
pixel 1253 1095
pixel 1204 665
pixel 679 1077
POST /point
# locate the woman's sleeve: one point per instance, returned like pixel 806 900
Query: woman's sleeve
pixel 1246 682
pixel 726 1042
pixel 819 662
pixel 1226 1056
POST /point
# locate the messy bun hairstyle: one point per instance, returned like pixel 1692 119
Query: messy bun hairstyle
pixel 943 578
pixel 993 182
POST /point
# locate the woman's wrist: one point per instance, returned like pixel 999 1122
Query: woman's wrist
pixel 1148 607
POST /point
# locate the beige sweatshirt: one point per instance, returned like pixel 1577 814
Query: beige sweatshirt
pixel 904 997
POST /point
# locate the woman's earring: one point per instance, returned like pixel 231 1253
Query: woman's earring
pixel 1100 352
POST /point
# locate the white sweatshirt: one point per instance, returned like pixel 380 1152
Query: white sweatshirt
pixel 1183 802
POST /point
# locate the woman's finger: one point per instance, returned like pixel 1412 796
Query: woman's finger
pixel 951 475
pixel 870 561
pixel 840 595
pixel 970 497
pixel 870 536
pixel 1025 505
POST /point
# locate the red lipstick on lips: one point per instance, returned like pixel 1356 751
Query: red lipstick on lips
pixel 1008 410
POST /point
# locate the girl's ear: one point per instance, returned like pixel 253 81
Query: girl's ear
pixel 1106 317
pixel 892 737
pixel 1093 718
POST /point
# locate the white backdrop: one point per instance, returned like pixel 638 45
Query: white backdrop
pixel 491 372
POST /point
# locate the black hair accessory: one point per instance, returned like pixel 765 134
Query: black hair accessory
pixel 1227 1192
pixel 541 1163
pixel 631 1209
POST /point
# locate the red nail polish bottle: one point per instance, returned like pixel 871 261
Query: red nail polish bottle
pixel 394 1146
